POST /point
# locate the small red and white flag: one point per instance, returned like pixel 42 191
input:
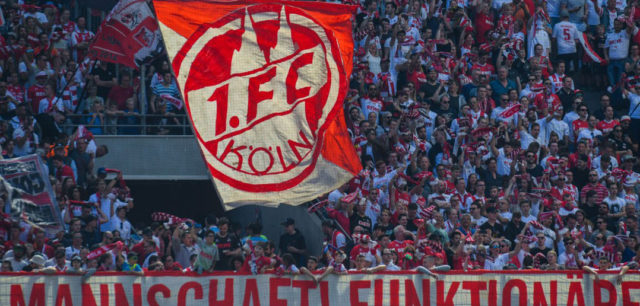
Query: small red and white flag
pixel 510 111
pixel 588 49
pixel 105 249
pixel 170 99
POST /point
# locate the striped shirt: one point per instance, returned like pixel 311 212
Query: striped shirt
pixel 601 191
pixel 171 90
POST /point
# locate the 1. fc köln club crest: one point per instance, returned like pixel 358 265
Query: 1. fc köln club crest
pixel 264 85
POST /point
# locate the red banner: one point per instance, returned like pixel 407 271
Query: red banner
pixel 128 36
pixel 402 288
pixel 285 66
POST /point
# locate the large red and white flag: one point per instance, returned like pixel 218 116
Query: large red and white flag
pixel 263 84
pixel 128 36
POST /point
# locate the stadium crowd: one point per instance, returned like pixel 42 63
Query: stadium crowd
pixel 493 135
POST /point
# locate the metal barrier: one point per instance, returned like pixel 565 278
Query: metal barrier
pixel 140 124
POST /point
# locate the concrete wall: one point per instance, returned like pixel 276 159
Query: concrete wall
pixel 150 157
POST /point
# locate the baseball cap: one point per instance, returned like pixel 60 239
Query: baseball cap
pixel 37 259
pixel 625 118
pixel 41 74
pixel 288 221
pixel 102 170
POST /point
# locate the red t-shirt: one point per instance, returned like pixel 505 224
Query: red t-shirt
pixel 578 125
pixel 398 246
pixel 486 69
pixel 606 127
pixel 483 24
pixel 34 95
pixel 120 95
pixel 65 171
pixel 548 101
pixel 359 249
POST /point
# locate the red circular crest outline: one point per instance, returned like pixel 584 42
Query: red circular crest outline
pixel 333 53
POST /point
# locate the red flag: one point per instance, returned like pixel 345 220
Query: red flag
pixel 128 36
pixel 263 84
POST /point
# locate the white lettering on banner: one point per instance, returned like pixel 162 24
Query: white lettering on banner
pixel 471 288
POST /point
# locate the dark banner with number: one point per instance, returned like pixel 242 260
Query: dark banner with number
pixel 27 192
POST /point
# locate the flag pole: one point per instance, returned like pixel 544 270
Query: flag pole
pixel 143 97
pixel 84 89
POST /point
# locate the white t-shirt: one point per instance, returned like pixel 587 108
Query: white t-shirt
pixel 105 206
pixel 529 218
pixel 615 205
pixel 618 44
pixel 588 134
pixel 41 17
pixel 504 163
pixel 592 16
pixel 526 139
pixel 369 105
pixel 558 126
pixel 634 106
pixel 498 263
pixel 70 251
pixel 565 34
pixel 568 260
pixel 123 226
pixel 57 104
pixel 480 221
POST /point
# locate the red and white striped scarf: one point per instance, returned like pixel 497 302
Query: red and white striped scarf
pixel 104 249
pixel 161 216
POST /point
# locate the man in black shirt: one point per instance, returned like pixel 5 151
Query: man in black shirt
pixel 104 79
pixel 493 224
pixel 591 207
pixel 540 246
pixel 228 245
pixel 293 242
pixel 533 168
pixel 360 218
pixel 515 226
pixel 412 216
pixel 430 88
